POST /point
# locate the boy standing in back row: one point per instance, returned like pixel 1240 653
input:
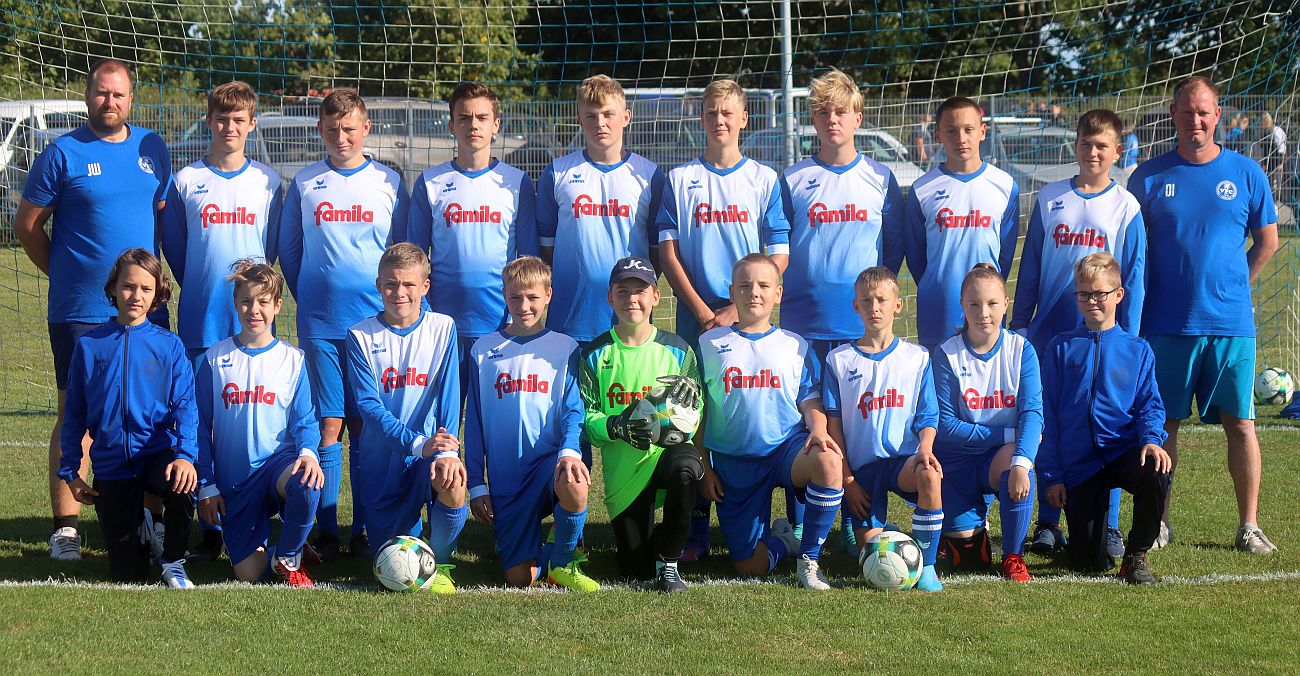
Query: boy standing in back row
pixel 340 214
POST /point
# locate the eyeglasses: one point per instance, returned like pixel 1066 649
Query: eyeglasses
pixel 1094 296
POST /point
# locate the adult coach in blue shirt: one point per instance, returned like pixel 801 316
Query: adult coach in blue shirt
pixel 103 183
pixel 1200 201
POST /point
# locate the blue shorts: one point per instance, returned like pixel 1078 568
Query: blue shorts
pixel 745 512
pixel 965 485
pixel 327 368
pixel 879 479
pixel 63 340
pixel 247 523
pixel 467 369
pixel 821 348
pixel 517 517
pixel 398 510
pixel 1218 370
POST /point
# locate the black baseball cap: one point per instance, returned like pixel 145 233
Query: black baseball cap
pixel 633 267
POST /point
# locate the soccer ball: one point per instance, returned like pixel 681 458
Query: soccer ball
pixel 671 424
pixel 1273 386
pixel 405 563
pixel 891 560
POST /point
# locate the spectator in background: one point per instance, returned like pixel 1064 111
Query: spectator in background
pixel 922 141
pixel 1235 137
pixel 1272 154
pixel 1131 151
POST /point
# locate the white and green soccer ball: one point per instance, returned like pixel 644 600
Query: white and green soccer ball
pixel 891 561
pixel 670 424
pixel 1274 386
pixel 405 563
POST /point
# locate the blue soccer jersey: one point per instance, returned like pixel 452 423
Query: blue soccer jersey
pixel 407 385
pixel 335 226
pixel 954 221
pixel 1197 218
pixel 987 400
pixel 212 219
pixel 718 216
pixel 843 220
pixel 1067 225
pixel 754 385
pixel 524 408
pixel 254 403
pixel 883 400
pixel 472 223
pixel 592 215
pixel 104 197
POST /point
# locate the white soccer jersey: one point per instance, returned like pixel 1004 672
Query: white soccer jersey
pixel 593 215
pixel 843 220
pixel 336 225
pixel 954 221
pixel 212 219
pixel 986 400
pixel 883 400
pixel 253 403
pixel 754 384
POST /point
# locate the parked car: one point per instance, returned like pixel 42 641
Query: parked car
pixel 768 146
pixel 286 143
pixel 21 120
pixel 1032 154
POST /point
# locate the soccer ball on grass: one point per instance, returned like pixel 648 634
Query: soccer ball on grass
pixel 1273 386
pixel 405 563
pixel 890 561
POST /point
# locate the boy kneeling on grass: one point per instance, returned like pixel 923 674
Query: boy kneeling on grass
pixel 1104 426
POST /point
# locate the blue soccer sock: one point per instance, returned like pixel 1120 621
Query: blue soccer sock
pixel 1112 513
pixel 445 524
pixel 327 511
pixel 1015 515
pixel 300 503
pixel 354 474
pixel 794 510
pixel 568 528
pixel 776 551
pixel 927 524
pixel 822 504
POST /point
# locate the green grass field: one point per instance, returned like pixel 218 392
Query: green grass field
pixel 1216 610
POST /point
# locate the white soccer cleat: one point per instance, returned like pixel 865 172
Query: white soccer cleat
pixel 782 530
pixel 65 544
pixel 175 576
pixel 151 534
pixel 810 574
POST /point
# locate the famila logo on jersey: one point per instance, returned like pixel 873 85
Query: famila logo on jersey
pixel 583 205
pixel 507 384
pixel 820 213
pixel 982 402
pixel 326 213
pixel 735 379
pixel 231 395
pixel 393 380
pixel 947 218
pixel 1063 236
pixel 211 214
pixel 454 213
pixel 618 395
pixel 705 213
pixel 869 402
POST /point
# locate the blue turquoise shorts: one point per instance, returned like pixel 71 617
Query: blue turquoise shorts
pixel 1218 370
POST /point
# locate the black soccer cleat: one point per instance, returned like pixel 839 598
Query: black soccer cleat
pixel 971 554
pixel 1134 569
pixel 210 548
pixel 359 545
pixel 327 547
pixel 668 579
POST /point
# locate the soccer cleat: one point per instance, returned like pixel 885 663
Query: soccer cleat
pixel 809 574
pixel 65 544
pixel 152 533
pixel 1013 568
pixel 290 570
pixel 973 554
pixel 697 543
pixel 667 578
pixel 327 546
pixel 782 530
pixel 1134 569
pixel 174 575
pixel 929 580
pixel 1047 538
pixel 1114 542
pixel 1251 539
pixel 210 548
pixel 359 545
pixel 571 577
pixel 442 582
pixel 1164 537
pixel 310 556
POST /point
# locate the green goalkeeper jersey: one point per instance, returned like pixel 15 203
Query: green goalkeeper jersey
pixel 613 375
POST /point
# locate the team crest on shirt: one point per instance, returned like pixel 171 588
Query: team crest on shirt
pixel 320 184
pixel 812 184
pixel 377 348
pixel 495 353
pixel 451 185
pixel 146 164
pixel 226 362
pixel 724 348
pixel 1226 190
pixel 1055 205
pixel 940 195
pixel 577 178
pixel 853 375
pixel 694 184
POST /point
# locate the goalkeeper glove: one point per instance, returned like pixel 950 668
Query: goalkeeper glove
pixel 637 432
pixel 681 391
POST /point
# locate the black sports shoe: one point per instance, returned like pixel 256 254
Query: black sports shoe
pixel 211 547
pixel 359 545
pixel 1134 569
pixel 971 554
pixel 668 579
pixel 327 546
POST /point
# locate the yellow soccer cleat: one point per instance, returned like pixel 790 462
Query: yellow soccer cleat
pixel 570 576
pixel 442 582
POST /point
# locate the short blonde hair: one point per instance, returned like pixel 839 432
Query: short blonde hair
pixel 832 90
pixel 598 90
pixel 404 255
pixel 1101 265
pixel 526 271
pixel 725 89
pixel 756 259
pixel 254 272
pixel 874 277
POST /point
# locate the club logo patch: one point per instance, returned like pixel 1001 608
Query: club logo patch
pixel 1226 190
pixel 146 164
